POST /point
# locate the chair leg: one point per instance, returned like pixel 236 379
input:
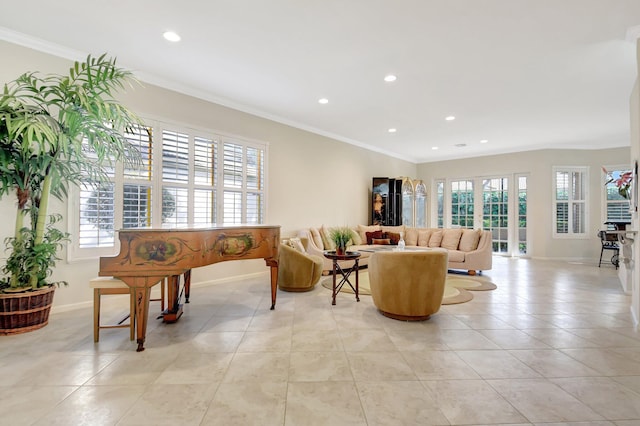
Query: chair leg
pixel 601 251
pixel 132 315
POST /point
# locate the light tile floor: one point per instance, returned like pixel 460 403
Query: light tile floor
pixel 554 344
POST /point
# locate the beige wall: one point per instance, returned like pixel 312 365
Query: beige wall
pixel 312 180
pixel 538 165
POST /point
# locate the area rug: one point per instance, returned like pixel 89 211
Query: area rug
pixel 456 288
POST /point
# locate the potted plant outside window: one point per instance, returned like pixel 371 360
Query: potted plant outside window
pixel 55 131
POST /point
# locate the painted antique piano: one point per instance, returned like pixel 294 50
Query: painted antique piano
pixel 149 255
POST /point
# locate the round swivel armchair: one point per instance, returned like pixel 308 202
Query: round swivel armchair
pixel 297 271
pixel 408 285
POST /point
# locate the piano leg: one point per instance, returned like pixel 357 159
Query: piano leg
pixel 274 281
pixel 142 295
pixel 187 285
pixel 174 308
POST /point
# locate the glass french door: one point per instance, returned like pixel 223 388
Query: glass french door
pixel 495 211
pixel 497 204
pixel 523 247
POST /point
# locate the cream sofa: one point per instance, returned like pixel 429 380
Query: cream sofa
pixel 468 249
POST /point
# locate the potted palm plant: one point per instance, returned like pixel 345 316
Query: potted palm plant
pixel 55 131
pixel 340 237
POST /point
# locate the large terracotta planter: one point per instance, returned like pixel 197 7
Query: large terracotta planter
pixel 27 311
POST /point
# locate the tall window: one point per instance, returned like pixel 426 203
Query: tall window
pixel 137 183
pixel 205 171
pixel 175 178
pixel 421 205
pixel 440 204
pixel 407 202
pixel 616 206
pixel 186 177
pixel 122 201
pixel 570 201
pixel 243 181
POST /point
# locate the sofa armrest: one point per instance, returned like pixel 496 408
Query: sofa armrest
pixel 311 246
pixel 482 257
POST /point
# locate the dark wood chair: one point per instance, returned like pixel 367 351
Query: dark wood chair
pixel 609 241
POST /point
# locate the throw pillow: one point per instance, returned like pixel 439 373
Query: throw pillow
pixel 424 235
pixel 411 236
pixel 362 230
pixel 436 238
pixel 297 244
pixel 325 234
pixel 392 236
pixel 470 239
pixel 317 239
pixel 355 238
pixel 451 238
pixel 371 235
pixel 381 241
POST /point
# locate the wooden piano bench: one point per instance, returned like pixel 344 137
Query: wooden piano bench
pixel 105 286
pixel 110 285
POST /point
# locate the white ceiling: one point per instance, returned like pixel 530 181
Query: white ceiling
pixel 522 74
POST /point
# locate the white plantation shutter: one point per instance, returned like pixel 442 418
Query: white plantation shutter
pixel 255 183
pixel 141 138
pixel 136 206
pixel 205 171
pixel 204 206
pixel 175 157
pixel 137 188
pixel 107 206
pixel 97 215
pixel 570 201
pixel 233 165
pixel 254 208
pixel 243 176
pixel 186 177
pixel 232 207
pixel 175 206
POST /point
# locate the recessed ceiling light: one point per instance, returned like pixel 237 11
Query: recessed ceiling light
pixel 389 78
pixel 323 101
pixel 450 118
pixel 435 148
pixel 171 36
pixel 484 141
pixel 392 130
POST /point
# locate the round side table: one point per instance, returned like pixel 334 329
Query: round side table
pixel 344 272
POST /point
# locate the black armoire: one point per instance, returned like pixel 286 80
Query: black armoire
pixel 386 201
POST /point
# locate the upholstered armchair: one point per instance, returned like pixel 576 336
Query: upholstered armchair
pixel 297 271
pixel 408 285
